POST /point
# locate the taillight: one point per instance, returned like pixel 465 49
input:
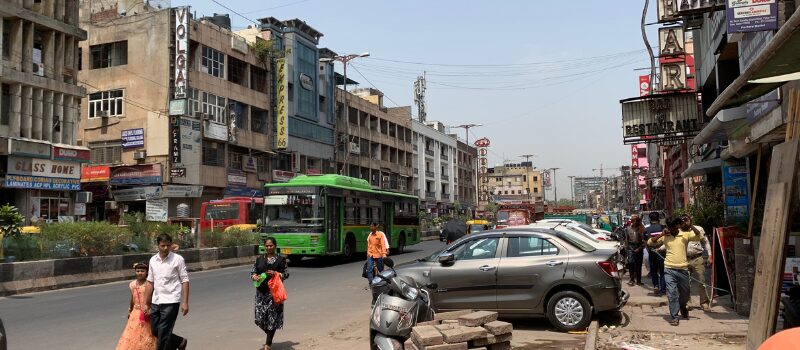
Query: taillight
pixel 500 226
pixel 609 268
pixel 601 239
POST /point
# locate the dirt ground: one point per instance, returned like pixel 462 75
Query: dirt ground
pixel 613 339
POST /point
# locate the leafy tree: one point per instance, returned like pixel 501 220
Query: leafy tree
pixel 706 209
pixel 10 220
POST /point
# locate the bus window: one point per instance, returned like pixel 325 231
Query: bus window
pixel 222 211
pixel 293 210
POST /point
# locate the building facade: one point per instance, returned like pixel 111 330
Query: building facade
pixel 177 108
pixel 40 154
pixel 466 177
pixel 516 182
pixel 377 146
pixel 584 186
pixel 434 165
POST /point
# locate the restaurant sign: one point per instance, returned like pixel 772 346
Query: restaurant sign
pixel 662 117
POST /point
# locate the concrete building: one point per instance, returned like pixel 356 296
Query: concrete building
pixel 434 164
pixel 178 108
pixel 583 186
pixel 466 180
pixel 378 147
pixel 40 153
pixel 516 182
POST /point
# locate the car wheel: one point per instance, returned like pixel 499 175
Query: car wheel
pixel 569 311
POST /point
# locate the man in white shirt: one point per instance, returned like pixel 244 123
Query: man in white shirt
pixel 170 292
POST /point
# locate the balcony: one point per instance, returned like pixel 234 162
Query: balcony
pixel 445 157
pixel 430 195
pixel 429 152
pixel 429 174
pixel 445 177
pixel 415 147
pixel 445 196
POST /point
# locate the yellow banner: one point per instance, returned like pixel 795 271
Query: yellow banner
pixel 283 108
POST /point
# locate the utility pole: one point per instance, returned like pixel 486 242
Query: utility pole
pixel 571 188
pixel 555 187
pixel 466 128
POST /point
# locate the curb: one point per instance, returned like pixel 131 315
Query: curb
pixel 591 337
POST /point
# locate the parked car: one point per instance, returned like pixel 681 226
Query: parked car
pixel 523 272
pixel 476 226
pixel 586 230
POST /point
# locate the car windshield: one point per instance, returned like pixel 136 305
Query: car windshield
pixel 222 211
pixel 293 210
pixel 476 228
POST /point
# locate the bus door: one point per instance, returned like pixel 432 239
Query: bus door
pixel 388 220
pixel 333 207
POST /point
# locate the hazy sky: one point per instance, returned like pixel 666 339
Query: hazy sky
pixel 543 77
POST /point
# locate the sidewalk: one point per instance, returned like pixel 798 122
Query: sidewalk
pixel 644 321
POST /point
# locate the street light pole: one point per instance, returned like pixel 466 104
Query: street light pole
pixel 555 187
pixel 572 189
pixel 345 59
pixel 466 128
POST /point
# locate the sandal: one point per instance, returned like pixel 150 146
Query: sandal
pixel 674 322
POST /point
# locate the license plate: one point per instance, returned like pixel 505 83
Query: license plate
pixel 286 250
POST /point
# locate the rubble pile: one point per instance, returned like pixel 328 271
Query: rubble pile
pixel 461 330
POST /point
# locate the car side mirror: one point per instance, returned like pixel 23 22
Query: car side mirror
pixel 446 258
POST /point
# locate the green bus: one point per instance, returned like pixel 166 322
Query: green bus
pixel 330 215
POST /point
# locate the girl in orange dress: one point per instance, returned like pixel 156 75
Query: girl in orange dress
pixel 137 334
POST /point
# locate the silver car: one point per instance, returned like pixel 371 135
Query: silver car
pixel 523 272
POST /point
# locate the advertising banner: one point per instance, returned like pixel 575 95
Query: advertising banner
pixel 644 85
pixel 216 131
pixel 737 198
pixel 135 174
pixel 751 15
pixel 42 183
pixel 175 140
pixel 282 128
pixel 132 138
pixel 187 171
pixel 660 117
pixel 546 179
pixel 98 173
pixel 137 193
pixel 483 180
pixel 156 210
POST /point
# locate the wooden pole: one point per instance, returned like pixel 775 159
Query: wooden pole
pixel 754 194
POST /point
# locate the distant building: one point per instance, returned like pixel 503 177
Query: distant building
pixel 583 186
pixel 466 180
pixel 515 182
pixel 435 165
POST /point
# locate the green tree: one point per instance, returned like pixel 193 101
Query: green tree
pixel 706 209
pixel 10 220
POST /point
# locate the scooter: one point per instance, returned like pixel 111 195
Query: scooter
pixel 399 303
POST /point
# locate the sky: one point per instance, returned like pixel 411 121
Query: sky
pixel 543 77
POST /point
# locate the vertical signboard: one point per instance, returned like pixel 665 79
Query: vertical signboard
pixel 187 171
pixel 483 170
pixel 668 11
pixel 175 140
pixel 181 50
pixel 644 85
pixel 751 15
pixel 737 199
pixel 282 131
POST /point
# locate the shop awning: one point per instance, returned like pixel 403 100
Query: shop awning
pixel 778 63
pixel 702 168
pixel 727 124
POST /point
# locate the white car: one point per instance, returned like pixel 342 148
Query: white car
pixel 576 230
pixel 598 234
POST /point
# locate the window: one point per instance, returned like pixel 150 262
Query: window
pixel 194 101
pixel 258 79
pixel 258 120
pixel 235 161
pixel 239 111
pixel 535 178
pixel 214 106
pixel 311 131
pixel 213 62
pixel 535 190
pixel 105 152
pixel 483 248
pixel 307 65
pixel 530 246
pixel 106 104
pixel 49 209
pixel 5 104
pixel 109 55
pixel 6 39
pixel 237 71
pixel 213 153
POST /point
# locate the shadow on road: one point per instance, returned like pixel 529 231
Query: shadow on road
pixel 285 345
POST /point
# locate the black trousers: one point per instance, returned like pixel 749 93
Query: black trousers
pixel 162 320
pixel 636 263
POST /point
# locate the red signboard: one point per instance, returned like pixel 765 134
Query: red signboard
pixel 644 85
pixel 78 155
pixel 95 173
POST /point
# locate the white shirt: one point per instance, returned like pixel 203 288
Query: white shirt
pixel 167 276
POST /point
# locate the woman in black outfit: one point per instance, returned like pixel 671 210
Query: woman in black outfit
pixel 269 315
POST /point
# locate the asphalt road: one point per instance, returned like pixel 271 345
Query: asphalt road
pixel 324 296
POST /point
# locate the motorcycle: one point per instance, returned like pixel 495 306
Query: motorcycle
pixel 399 303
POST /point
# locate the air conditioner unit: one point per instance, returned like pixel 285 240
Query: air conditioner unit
pixel 38 69
pixel 111 205
pixel 355 148
pixel 83 197
pixel 139 155
pixel 198 115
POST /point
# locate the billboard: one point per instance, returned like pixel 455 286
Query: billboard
pixel 661 117
pixel 483 180
pixel 745 16
pixel 282 129
pixel 737 197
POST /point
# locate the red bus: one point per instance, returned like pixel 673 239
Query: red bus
pixel 220 214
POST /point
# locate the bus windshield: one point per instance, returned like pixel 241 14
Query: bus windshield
pixel 293 210
pixel 222 211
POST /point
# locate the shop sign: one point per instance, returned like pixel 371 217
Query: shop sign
pixel 673 76
pixel 306 82
pixel 282 124
pixel 191 138
pixel 175 140
pixel 661 117
pixel 737 198
pixel 644 85
pixel 137 193
pixel 79 209
pixel 690 7
pixel 181 50
pixel 136 174
pixel 282 176
pixel 132 138
pixel 43 167
pixel 42 183
pixel 95 173
pixel 180 191
pixel 249 164
pixel 236 177
pixel 156 210
pixel 313 171
pixel 751 15
pixel 177 173
pixel 29 148
pixel 236 191
pixel 482 146
pixel 671 41
pixel 177 107
pixel 668 11
pixel 75 155
pixel 216 131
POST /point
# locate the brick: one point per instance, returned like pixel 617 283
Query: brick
pixel 462 334
pixel 426 335
pixel 409 345
pixel 477 318
pixel 451 315
pixel 457 346
pixel 450 321
pixel 490 339
pixel 506 345
pixel 429 323
pixel 498 327
pixel 446 327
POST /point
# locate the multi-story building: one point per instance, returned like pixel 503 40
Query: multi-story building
pixel 466 180
pixel 177 110
pixel 516 182
pixel 434 164
pixel 377 146
pixel 40 154
pixel 583 186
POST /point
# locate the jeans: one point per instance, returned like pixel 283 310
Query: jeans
pixel 677 290
pixel 657 271
pixel 162 320
pixel 371 263
pixel 636 263
pixel 697 269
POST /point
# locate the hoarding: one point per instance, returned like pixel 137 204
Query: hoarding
pixel 751 15
pixel 661 117
pixel 282 127
pixel 735 191
pixel 135 174
pixel 98 173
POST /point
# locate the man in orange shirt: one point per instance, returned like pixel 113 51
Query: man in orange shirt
pixel 376 251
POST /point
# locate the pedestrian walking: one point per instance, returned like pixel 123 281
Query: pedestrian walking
pixel 656 255
pixel 635 243
pixel 676 267
pixel 167 273
pixel 696 254
pixel 137 334
pixel 376 251
pixel 268 313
